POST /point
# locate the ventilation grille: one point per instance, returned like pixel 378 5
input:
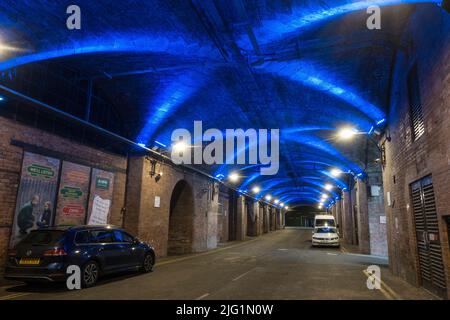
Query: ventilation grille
pixel 415 104
pixel 427 232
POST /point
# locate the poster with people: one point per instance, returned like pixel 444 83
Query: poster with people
pixel 73 194
pixel 36 195
pixel 101 193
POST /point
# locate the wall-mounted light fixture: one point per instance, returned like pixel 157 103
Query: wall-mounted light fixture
pixel 153 169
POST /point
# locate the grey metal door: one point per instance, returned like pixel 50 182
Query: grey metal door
pixel 427 233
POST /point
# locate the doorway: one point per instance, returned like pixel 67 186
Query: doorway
pixel 431 268
pixel 181 219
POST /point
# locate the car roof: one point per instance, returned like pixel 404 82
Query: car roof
pixel 324 216
pixel 81 227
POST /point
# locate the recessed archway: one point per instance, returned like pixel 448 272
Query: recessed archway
pixel 181 219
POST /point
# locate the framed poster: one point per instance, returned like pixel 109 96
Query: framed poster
pixel 36 195
pixel 101 194
pixel 72 194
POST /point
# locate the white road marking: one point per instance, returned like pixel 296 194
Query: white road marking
pixel 242 275
pixel 203 296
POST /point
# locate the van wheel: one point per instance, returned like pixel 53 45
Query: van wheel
pixel 90 274
pixel 147 263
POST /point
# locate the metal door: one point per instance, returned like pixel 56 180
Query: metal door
pixel 427 233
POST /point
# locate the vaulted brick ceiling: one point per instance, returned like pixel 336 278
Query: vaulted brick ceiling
pixel 306 67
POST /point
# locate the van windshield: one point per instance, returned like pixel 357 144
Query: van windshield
pixel 325 223
pixel 325 230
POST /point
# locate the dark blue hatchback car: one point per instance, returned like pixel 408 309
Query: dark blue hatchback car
pixel 45 254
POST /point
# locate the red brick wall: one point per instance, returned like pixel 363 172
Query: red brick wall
pixel 408 160
pixel 10 166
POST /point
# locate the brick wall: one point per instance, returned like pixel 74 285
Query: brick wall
pixel 408 160
pixel 10 167
pixel 151 223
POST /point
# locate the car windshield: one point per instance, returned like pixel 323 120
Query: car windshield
pixel 325 230
pixel 43 237
pixel 325 223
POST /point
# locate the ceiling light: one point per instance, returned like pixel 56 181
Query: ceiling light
pixel 281 204
pixel 347 133
pixel 268 197
pixel 324 196
pixel 286 207
pixel 276 201
pixel 328 187
pixel 335 172
pixel 233 177
pixel 256 189
pixel 179 146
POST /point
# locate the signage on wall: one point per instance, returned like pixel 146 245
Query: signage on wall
pixel 37 170
pixel 102 183
pixel 54 194
pixel 157 201
pixel 383 219
pixel 101 196
pixel 73 193
pixel 36 195
pixel 100 211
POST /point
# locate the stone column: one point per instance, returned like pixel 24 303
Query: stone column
pixel 241 219
pixel 363 217
pixel 347 218
pixel 339 215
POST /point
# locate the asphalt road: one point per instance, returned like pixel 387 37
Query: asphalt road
pixel 279 265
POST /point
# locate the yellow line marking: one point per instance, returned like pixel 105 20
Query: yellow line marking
pixel 15 295
pixel 385 289
pixel 204 253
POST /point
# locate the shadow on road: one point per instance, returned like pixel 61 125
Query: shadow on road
pixel 54 287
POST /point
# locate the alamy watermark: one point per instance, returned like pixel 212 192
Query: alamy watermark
pixel 236 146
pixel 373 277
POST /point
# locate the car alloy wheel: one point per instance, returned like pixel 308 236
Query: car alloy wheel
pixel 90 274
pixel 148 263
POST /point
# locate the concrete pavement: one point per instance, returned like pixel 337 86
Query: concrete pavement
pixel 279 265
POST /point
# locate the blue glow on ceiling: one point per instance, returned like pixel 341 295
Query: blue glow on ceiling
pixel 172 44
pixel 306 73
pixel 168 101
pixel 303 19
pixel 322 147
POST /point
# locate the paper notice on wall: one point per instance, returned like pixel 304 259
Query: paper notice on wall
pixel 100 211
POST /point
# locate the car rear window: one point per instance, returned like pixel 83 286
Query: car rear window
pixel 44 237
pixel 102 236
pixel 83 237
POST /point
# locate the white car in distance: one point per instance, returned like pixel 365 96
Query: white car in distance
pixel 325 236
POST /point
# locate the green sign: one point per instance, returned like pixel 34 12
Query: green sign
pixel 71 192
pixel 37 170
pixel 102 183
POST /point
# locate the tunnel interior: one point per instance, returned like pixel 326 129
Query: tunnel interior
pixel 359 114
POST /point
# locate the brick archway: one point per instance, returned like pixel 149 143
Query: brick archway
pixel 181 217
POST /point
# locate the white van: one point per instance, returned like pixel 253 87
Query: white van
pixel 325 232
pixel 324 220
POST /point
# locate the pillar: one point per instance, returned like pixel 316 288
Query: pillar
pixel 241 219
pixel 347 217
pixel 362 217
pixel 339 215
